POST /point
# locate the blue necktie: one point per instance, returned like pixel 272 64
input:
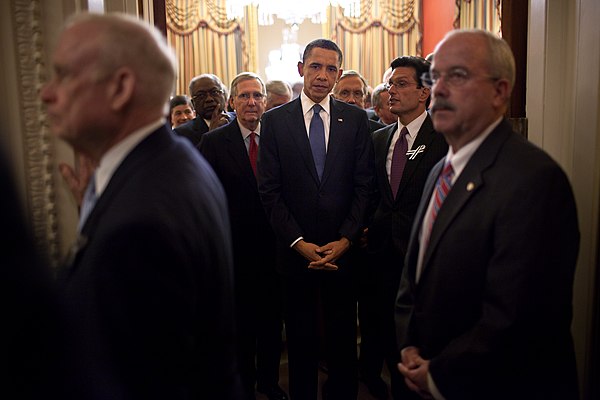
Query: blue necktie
pixel 316 136
pixel 89 201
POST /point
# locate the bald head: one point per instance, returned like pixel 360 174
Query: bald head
pixel 113 74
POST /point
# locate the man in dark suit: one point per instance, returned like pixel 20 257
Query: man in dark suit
pixel 485 304
pixel 209 99
pixel 316 197
pixel 397 201
pixel 231 153
pixel 149 286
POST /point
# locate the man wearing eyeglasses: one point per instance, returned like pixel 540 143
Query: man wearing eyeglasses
pixel 352 88
pixel 209 101
pixel 405 152
pixel 232 151
pixel 484 307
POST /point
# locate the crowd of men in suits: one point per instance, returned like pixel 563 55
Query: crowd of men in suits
pixel 456 237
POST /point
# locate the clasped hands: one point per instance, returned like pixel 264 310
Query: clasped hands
pixel 323 257
pixel 415 370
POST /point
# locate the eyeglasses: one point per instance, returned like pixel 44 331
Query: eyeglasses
pixel 202 95
pixel 399 84
pixel 257 96
pixel 454 77
pixel 344 94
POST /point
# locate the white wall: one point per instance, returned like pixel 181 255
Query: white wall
pixel 563 100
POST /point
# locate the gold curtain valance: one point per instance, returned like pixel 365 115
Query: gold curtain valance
pixel 185 17
pixel 396 18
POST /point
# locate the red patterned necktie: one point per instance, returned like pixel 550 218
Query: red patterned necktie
pixel 253 151
pixel 442 187
pixel 398 161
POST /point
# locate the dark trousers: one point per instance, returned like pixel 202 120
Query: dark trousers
pixel 332 295
pixel 378 278
pixel 259 326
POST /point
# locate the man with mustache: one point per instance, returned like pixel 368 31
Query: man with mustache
pixel 485 303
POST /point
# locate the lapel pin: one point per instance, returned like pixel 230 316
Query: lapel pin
pixel 340 120
pixel 412 154
pixel 470 186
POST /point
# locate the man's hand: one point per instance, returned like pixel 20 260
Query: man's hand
pixel 218 118
pixel 415 371
pixel 330 253
pixel 78 178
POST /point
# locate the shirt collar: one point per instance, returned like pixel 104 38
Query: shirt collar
pixel 460 159
pixel 307 103
pixel 414 126
pixel 246 132
pixel 115 155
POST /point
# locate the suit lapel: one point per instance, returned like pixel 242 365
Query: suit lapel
pixel 147 149
pixel 419 148
pixel 381 167
pixel 300 136
pixel 336 129
pixel 236 148
pixel 468 183
pixel 413 245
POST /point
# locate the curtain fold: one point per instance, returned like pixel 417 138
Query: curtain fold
pixel 204 40
pixel 384 30
pixel 481 14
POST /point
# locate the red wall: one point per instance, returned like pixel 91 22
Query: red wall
pixel 438 18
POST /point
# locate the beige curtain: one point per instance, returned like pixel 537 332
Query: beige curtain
pixel 384 30
pixel 482 14
pixel 204 40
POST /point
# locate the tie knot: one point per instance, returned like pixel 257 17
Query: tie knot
pixel 252 135
pixel 403 132
pixel 317 109
pixel 448 170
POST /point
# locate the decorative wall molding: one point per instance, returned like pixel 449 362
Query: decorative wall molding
pixel 31 75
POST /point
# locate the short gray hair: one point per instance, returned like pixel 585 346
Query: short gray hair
pixel 128 41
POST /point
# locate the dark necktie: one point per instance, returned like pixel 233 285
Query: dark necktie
pixel 89 201
pixel 398 161
pixel 253 151
pixel 316 136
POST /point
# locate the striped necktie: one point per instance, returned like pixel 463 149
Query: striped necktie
pixel 89 201
pixel 442 187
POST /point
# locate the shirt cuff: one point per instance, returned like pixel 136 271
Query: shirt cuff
pixel 296 241
pixel 433 388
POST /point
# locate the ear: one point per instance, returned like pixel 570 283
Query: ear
pixel 501 92
pixel 301 68
pixel 340 71
pixel 231 102
pixel 121 88
pixel 425 93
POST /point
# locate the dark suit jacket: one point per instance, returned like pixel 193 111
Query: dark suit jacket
pixel 393 218
pixel 150 287
pixel 33 339
pixel 492 308
pixel 297 204
pixel 194 129
pixel 253 238
pixel 375 125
